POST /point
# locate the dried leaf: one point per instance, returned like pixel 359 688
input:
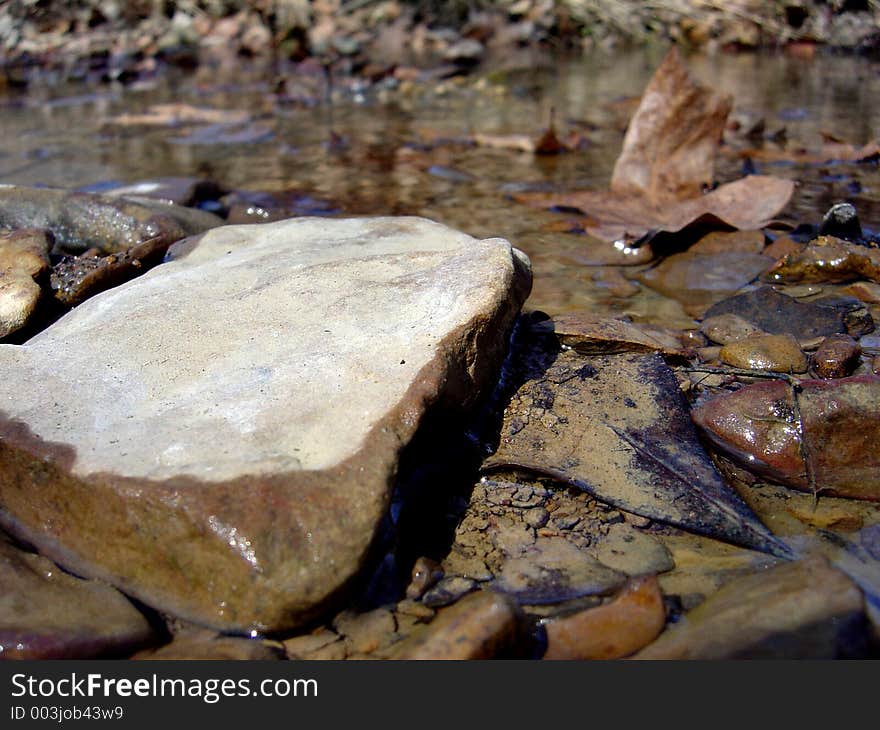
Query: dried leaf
pixel 669 149
pixel 667 161
pixel 617 427
pixel 747 204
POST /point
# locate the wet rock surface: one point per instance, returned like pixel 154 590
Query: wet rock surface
pixel 202 645
pixel 776 313
pixel 254 516
pixel 804 610
pixel 81 221
pixel 818 436
pixel 828 259
pixel 46 613
pixel 612 631
pixel 776 353
pixel 481 626
pixel 24 258
pixel 836 357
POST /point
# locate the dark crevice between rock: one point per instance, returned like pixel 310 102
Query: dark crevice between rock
pixel 437 474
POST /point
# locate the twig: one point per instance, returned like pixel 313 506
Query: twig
pixel 740 372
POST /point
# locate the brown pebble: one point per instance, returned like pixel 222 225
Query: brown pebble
pixel 837 357
pixel 728 327
pixel 709 354
pixel 693 339
pixel 617 629
pixel 776 353
pixel 479 626
pixel 425 574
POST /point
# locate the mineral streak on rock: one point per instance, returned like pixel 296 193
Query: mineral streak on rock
pixel 820 437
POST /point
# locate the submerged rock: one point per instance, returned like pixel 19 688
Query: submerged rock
pixel 554 570
pixel 209 646
pixel 617 629
pixel 229 459
pixel 821 436
pixel 776 353
pixel 480 626
pixel 698 280
pixel 727 328
pixel 778 314
pixel 81 221
pixel 837 357
pixel 828 259
pixel 47 614
pixel 24 257
pixel 802 610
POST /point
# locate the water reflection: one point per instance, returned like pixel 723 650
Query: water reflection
pixel 63 136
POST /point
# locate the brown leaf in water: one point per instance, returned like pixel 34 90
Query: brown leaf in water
pixel 669 149
pixel 667 161
pixel 617 427
pixel 747 204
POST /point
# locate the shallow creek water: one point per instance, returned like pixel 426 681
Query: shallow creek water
pixel 62 135
pixel 387 161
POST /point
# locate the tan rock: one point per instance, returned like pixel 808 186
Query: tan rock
pixel 617 629
pixel 633 552
pixel 794 611
pixel 777 353
pixel 301 647
pixel 46 613
pixel 24 256
pixel 364 633
pixel 479 626
pixel 238 448
pixel 727 328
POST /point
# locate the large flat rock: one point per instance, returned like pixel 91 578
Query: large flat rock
pixel 219 437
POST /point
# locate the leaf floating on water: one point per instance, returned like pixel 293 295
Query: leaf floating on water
pixel 746 204
pixel 617 427
pixel 670 145
pixel 549 143
pixel 667 160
